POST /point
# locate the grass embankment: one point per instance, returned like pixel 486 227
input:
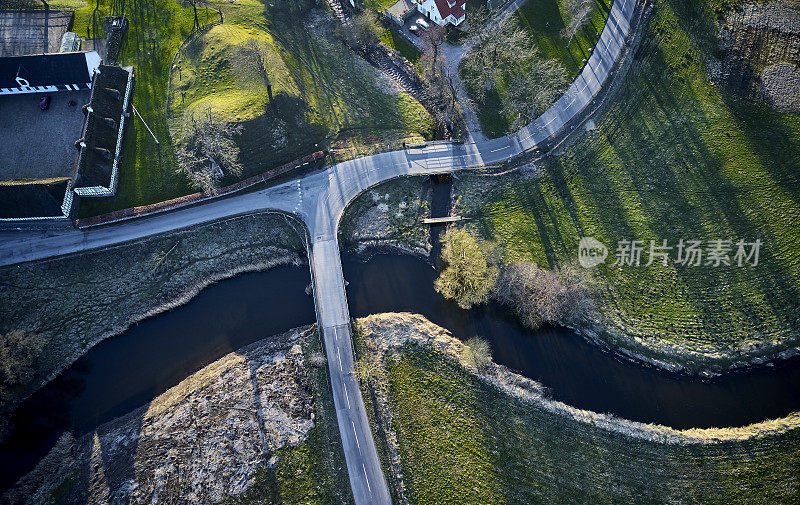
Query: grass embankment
pixel 324 96
pixel 314 471
pixel 155 31
pixel 76 301
pixel 672 158
pixel 543 21
pixel 463 440
pixel 392 38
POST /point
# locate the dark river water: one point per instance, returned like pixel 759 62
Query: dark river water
pixel 127 371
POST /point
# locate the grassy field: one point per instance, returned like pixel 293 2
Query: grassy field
pixel 156 30
pixel 462 440
pixel 313 472
pixel 543 21
pixel 406 49
pixel 672 158
pixel 324 96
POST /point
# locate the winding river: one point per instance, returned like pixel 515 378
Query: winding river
pixel 127 371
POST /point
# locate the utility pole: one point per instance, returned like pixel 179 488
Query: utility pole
pixel 136 113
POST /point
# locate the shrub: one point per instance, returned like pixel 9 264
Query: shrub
pixel 19 353
pixel 540 296
pixel 469 276
pixel 481 352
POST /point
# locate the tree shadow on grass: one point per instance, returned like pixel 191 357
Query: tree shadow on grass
pixel 281 134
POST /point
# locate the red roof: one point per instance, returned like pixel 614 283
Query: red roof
pixel 457 9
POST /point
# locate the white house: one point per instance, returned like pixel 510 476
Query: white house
pixel 443 12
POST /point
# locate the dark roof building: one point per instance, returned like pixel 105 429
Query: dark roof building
pixel 47 72
pixel 97 169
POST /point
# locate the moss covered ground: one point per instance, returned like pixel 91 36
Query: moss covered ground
pixel 462 440
pixel 671 157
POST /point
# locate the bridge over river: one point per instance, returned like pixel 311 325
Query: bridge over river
pixel 319 199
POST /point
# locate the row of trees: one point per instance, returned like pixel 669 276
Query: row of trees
pixel 472 276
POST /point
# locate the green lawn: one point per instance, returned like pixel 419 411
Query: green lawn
pixel 393 39
pixel 463 441
pixel 673 157
pixel 378 5
pixel 543 21
pixel 156 29
pixel 323 95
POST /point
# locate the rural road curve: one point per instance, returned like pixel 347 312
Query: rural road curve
pixel 319 199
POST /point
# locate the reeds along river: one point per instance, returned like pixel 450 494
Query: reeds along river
pixel 127 371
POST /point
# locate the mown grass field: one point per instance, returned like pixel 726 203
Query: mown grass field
pixel 672 158
pixel 543 21
pixel 324 96
pixel 463 441
pixel 314 471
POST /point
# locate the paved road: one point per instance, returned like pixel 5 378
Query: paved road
pixel 319 199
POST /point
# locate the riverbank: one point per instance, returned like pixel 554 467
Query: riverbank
pixel 678 156
pixel 460 429
pixel 256 424
pixel 389 217
pixel 67 305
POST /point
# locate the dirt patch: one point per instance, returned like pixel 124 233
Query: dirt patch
pixel 760 46
pixel 199 442
pixel 390 216
pixel 781 85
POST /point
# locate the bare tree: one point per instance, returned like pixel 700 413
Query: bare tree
pixel 532 81
pixel 540 296
pixel 507 48
pixel 437 88
pixel 531 93
pixel 20 352
pixel 579 13
pixel 364 29
pixel 207 149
